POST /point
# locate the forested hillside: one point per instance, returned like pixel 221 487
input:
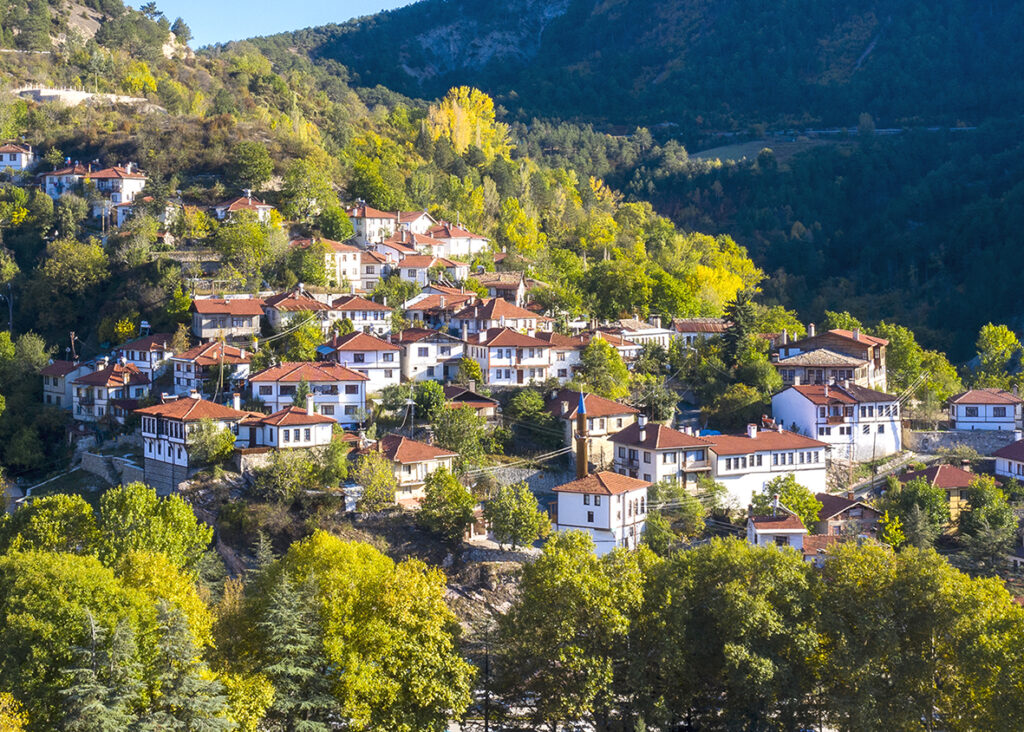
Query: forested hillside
pixel 699 65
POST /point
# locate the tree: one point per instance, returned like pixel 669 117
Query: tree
pixel 652 359
pixel 185 696
pixel 375 474
pixel 658 534
pixel 334 463
pixel 892 531
pixel 245 243
pixel 920 531
pixel 307 188
pixel 305 339
pixel 997 345
pixel 841 321
pixel 738 335
pixel 249 165
pixel 133 518
pixel 603 371
pixel 302 391
pixel 334 223
pixel 12 714
pixel 69 213
pixel 181 31
pixel 519 233
pixel 285 476
pixel 466 117
pixel 514 516
pixel 560 641
pixel 105 682
pixel 430 399
pixel 58 523
pixel 930 500
pixel 989 527
pixel 209 443
pixel 469 371
pixel 793 496
pixel 461 430
pixel 447 508
pixel 654 396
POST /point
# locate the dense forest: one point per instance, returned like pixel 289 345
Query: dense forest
pixel 696 65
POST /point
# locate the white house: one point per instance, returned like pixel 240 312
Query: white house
pixel 612 508
pixel 113 390
pixel 437 310
pixel 365 315
pixel 259 209
pixel 858 423
pixel 1010 460
pixel 397 247
pixel 16 157
pixel 117 185
pixel 463 396
pixel 510 286
pixel 370 224
pixel 783 529
pixel 985 409
pixel 216 318
pixel 823 366
pixel 745 463
pixel 628 349
pixel 281 310
pixel 428 355
pixel 499 313
pixel 459 243
pixel 191 368
pixel 412 461
pixel 375 359
pixel 165 437
pixel 373 267
pixel 565 353
pixel 149 353
pixel 694 330
pixel 508 358
pixel 604 419
pixel 342 262
pixel 641 332
pixel 293 428
pixel 338 392
pixel 416 222
pixel 658 453
pixel 58 376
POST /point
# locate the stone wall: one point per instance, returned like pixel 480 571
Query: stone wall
pixel 984 441
pixel 112 469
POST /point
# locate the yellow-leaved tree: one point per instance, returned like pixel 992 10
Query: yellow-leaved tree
pixel 466 117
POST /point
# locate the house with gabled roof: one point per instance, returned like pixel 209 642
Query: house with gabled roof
pixel 437 309
pixel 149 353
pixel 371 224
pixel 113 390
pixel 466 396
pixel 119 184
pixel 338 392
pixel 192 368
pixel 510 286
pixel 498 313
pixel 64 180
pixel 373 268
pixel 745 463
pixel 365 315
pixel 853 343
pixel 459 243
pixel 428 355
pixel 343 262
pixel 509 358
pixel 378 360
pixel 655 453
pixel 985 409
pixel 565 353
pixel 628 349
pixel 693 330
pixel 822 366
pixel 846 515
pixel 245 203
pixel 396 248
pixel 412 461
pixel 610 507
pixel 605 418
pixel 293 428
pixel 58 376
pixel 858 423
pixel 956 481
pixel 230 318
pixel 16 157
pixel 282 309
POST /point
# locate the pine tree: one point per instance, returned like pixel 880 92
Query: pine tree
pixel 183 698
pixel 295 663
pixel 104 683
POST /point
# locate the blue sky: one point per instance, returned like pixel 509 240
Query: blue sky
pixel 214 21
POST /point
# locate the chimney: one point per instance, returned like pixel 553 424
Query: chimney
pixel 778 427
pixel 655 320
pixel 752 431
pixel 796 380
pixel 965 465
pixel 193 394
pixel 471 385
pixel 846 383
pixel 642 423
pixel 856 334
pixel 309 403
pixel 236 401
pixel 442 302
pixel 352 288
pixel 826 391
pixel 465 330
pixel 849 496
pixel 810 330
pixel 565 407
pixel 785 336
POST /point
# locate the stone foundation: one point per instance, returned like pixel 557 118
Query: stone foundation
pixel 984 441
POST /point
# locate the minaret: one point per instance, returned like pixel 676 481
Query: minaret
pixel 582 462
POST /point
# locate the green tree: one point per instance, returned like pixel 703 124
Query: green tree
pixel 305 339
pixel 603 371
pixel 133 518
pixel 841 321
pixel 429 397
pixel 997 345
pixel 654 397
pixel 104 682
pixel 469 371
pixel 334 223
pixel 447 507
pixel 658 534
pixel 461 430
pixel 69 213
pixel 307 189
pixel 931 500
pixel 209 444
pixel 376 475
pixel 249 165
pixel 333 463
pixel 309 263
pixel 57 523
pixel 285 476
pixel 560 641
pixel 793 496
pixel 742 328
pixel 892 531
pixel 181 31
pixel 518 232
pixel 514 517
pixel 989 527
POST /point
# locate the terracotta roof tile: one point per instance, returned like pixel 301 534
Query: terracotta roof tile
pixel 945 476
pixel 59 368
pixel 495 337
pixel 294 302
pixel 208 354
pixel 496 308
pixel 699 325
pixel 402 450
pixel 355 302
pixel 359 342
pixel 658 437
pixel 1013 451
pixel 603 483
pixel 294 416
pixel 243 203
pixel 114 375
pixel 313 372
pixel 833 505
pixel 985 396
pixel 596 406
pixel 116 172
pixel 765 440
pixel 781 522
pixel 187 409
pixel 334 246
pixel 445 230
pixel 230 306
pixel 155 342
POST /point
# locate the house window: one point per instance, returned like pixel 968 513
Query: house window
pixel 782 541
pixel 388 373
pixel 647 457
pixel 822 412
pixel 881 428
pixel 349 409
pixel 824 431
pixel 970 411
pixel 422 352
pixel 358 358
pixel 998 411
pixel 351 388
pixel 430 370
pixel 590 517
pixel 327 410
pixel 586 499
pixel 622 452
pixel 866 429
pixel 306 434
pixel 287 435
pixel 562 373
pixel 757 459
pixel 389 357
pixel 446 350
pixel 597 500
pixel 668 457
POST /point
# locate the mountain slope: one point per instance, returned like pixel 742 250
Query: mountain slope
pixel 697 63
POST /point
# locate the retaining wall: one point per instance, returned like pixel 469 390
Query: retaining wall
pixel 984 441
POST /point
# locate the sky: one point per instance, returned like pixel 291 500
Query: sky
pixel 215 21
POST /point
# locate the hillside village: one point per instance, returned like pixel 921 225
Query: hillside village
pixel 326 408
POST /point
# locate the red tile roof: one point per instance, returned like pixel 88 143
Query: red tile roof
pixel 433 302
pixel 612 339
pixel 604 483
pixel 444 230
pixel 765 440
pixel 414 335
pixel 407 217
pixel 658 437
pixel 401 243
pixel 334 246
pixel 403 450
pixel 187 409
pixel 59 367
pixel 155 342
pixel 815 393
pixel 985 396
pixel 495 337
pixel 418 261
pixel 318 372
pixel 363 211
pixel 1013 451
pixel 945 476
pixel 357 341
pixel 114 375
pixel 11 148
pixel 243 203
pixel 76 169
pixel 833 505
pixel 496 308
pixel 231 306
pixel 784 522
pixel 116 172
pixel 208 354
pixel 596 406
pixel 864 337
pixel 294 416
pixel 354 302
pixel 561 342
pixel 699 325
pixel 294 302
pixel 371 257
